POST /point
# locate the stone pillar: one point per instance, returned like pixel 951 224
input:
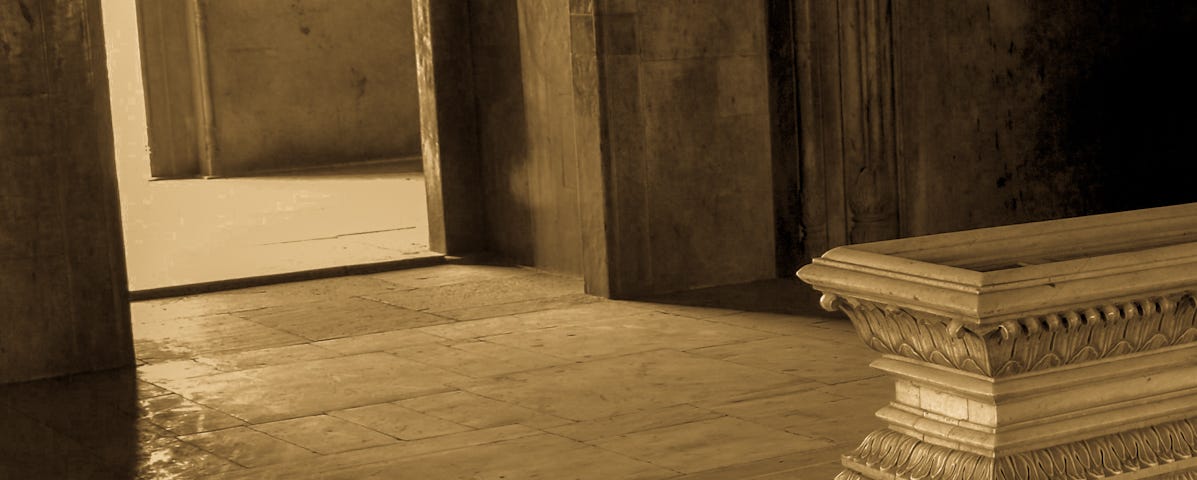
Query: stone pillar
pixel 672 137
pixel 63 293
pixel 1053 350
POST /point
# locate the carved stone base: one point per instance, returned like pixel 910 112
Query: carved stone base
pixel 1120 416
pixel 1161 451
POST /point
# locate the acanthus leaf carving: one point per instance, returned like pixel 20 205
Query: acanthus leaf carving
pixel 1025 345
pixel 903 457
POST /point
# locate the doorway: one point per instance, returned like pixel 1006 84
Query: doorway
pixel 284 163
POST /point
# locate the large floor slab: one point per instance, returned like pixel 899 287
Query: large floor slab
pixel 313 387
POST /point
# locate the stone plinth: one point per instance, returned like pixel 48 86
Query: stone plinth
pixel 1052 350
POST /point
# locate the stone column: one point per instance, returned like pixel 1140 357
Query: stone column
pixel 1054 350
pixel 672 137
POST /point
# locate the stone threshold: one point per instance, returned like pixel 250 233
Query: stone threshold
pixel 431 259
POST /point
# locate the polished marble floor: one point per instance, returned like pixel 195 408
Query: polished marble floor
pixel 458 372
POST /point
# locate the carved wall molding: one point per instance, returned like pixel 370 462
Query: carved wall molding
pixel 906 457
pixel 1032 344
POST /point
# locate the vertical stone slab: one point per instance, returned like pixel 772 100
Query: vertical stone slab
pixel 448 128
pixel 684 149
pixel 524 99
pixel 590 148
pixel 502 128
pixel 63 291
pixel 617 36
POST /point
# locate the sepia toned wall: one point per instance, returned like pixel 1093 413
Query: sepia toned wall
pixel 681 121
pixel 311 82
pixel 920 118
pixel 636 153
pixel 250 86
pixel 522 73
pixel 63 299
pixel 1014 111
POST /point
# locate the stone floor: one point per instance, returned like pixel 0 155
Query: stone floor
pixel 458 372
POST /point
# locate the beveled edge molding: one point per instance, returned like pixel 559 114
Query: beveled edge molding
pixel 1068 337
pixel 1170 446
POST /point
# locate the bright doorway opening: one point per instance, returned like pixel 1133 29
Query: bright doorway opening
pixel 274 210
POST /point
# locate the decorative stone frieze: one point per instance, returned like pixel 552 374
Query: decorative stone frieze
pixel 1054 350
pixel 1015 346
pixel 906 457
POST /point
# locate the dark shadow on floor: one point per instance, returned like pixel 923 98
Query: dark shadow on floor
pixel 77 427
pixel 783 295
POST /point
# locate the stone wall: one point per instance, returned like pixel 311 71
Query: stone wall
pixel 521 56
pixel 684 140
pixel 924 118
pixel 311 82
pixel 281 84
pixel 628 142
pixel 1020 111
